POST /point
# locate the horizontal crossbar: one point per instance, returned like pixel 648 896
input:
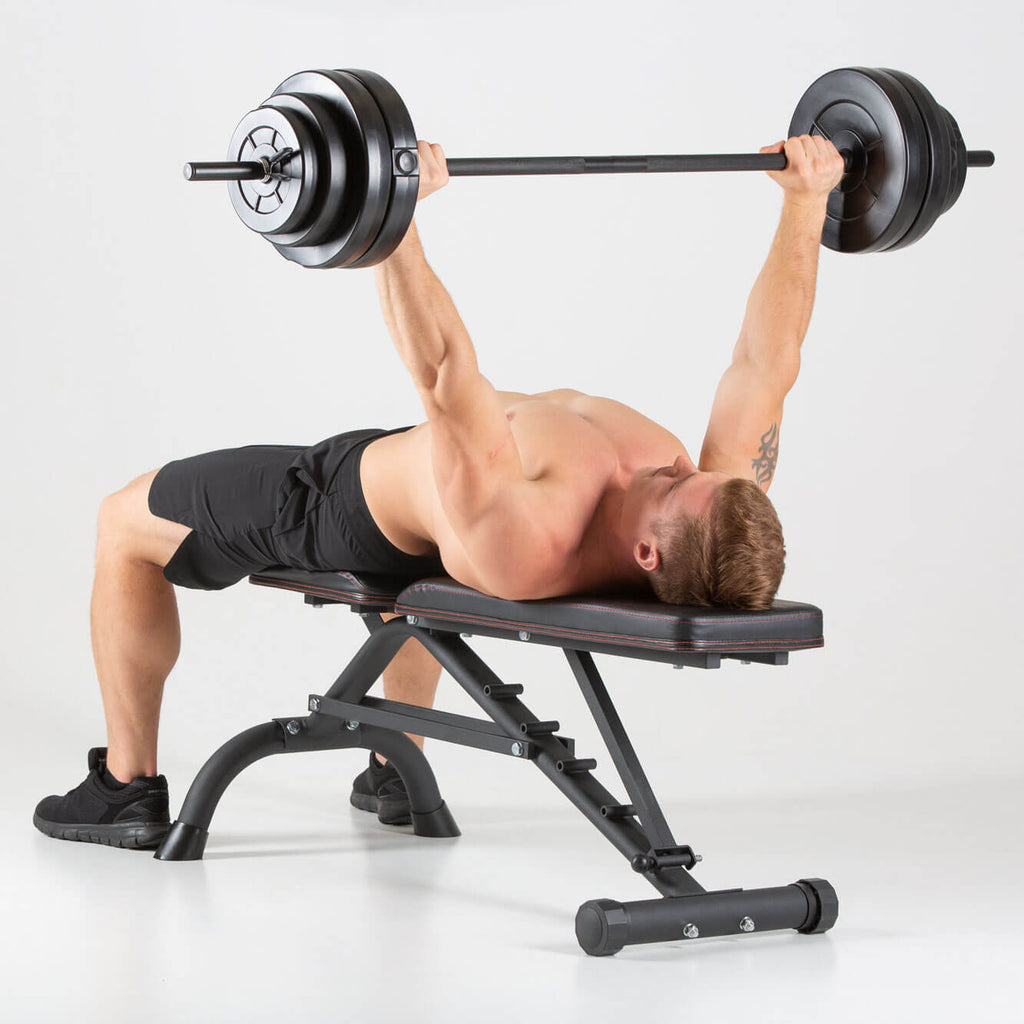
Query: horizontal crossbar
pixel 438 725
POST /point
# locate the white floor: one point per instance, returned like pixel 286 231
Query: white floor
pixel 304 909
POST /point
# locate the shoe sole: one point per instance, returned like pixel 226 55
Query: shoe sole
pixel 386 815
pixel 127 837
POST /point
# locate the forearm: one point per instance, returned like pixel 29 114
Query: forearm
pixel 419 312
pixel 779 308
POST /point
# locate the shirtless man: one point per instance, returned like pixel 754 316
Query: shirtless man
pixel 520 496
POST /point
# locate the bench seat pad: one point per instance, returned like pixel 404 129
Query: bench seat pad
pixel 652 624
pixel 647 624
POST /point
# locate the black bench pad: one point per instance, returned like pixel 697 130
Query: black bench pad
pixel 648 625
pixel 361 590
pixel 651 624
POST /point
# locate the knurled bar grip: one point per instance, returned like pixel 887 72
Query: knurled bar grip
pixel 482 166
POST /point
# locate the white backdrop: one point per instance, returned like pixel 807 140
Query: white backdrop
pixel 141 322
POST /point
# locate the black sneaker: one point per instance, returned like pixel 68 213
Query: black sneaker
pixel 380 789
pixel 133 816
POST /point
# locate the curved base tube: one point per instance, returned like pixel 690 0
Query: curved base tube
pixel 187 837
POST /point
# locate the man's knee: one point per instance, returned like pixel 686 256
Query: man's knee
pixel 125 526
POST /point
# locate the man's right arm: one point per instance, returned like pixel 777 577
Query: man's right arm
pixel 477 468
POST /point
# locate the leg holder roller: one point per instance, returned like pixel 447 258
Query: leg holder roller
pixel 603 927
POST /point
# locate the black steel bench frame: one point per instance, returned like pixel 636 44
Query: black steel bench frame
pixel 440 614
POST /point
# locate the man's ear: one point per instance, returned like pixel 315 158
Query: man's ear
pixel 647 555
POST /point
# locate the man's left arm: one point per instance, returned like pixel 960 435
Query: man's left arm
pixel 742 438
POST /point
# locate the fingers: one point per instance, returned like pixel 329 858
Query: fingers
pixel 433 168
pixel 813 164
pixel 814 150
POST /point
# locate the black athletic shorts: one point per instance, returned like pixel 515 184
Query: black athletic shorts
pixel 262 506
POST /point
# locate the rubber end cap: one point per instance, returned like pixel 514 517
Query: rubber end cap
pixel 601 927
pixel 183 842
pixel 437 824
pixel 824 905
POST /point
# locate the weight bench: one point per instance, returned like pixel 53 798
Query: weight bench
pixel 441 614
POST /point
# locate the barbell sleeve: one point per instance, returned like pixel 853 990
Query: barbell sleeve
pixel 980 158
pixel 242 170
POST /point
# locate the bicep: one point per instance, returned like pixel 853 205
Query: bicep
pixel 742 438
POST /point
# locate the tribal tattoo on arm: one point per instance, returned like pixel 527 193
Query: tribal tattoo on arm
pixel 764 465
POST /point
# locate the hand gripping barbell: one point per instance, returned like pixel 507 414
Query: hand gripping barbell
pixel 326 169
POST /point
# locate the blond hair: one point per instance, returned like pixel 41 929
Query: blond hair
pixel 732 555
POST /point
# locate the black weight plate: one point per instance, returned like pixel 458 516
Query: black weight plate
pixel 940 167
pixel 321 119
pixel 378 158
pixel 958 152
pixel 404 184
pixel 364 188
pixel 284 202
pixel 874 119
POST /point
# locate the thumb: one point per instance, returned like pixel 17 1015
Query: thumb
pixel 775 147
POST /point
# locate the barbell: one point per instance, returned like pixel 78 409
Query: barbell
pixel 326 168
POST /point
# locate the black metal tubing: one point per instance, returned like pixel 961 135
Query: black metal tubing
pixel 347 717
pixel 627 835
pixel 627 764
pixel 438 725
pixel 603 927
pixel 187 838
pixel 188 835
pixel 381 727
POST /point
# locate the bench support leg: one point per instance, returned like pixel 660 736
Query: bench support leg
pixel 430 815
pixel 345 717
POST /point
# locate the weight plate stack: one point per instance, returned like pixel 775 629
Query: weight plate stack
pixel 326 136
pixel 871 117
pixel 357 196
pixel 942 156
pixel 404 167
